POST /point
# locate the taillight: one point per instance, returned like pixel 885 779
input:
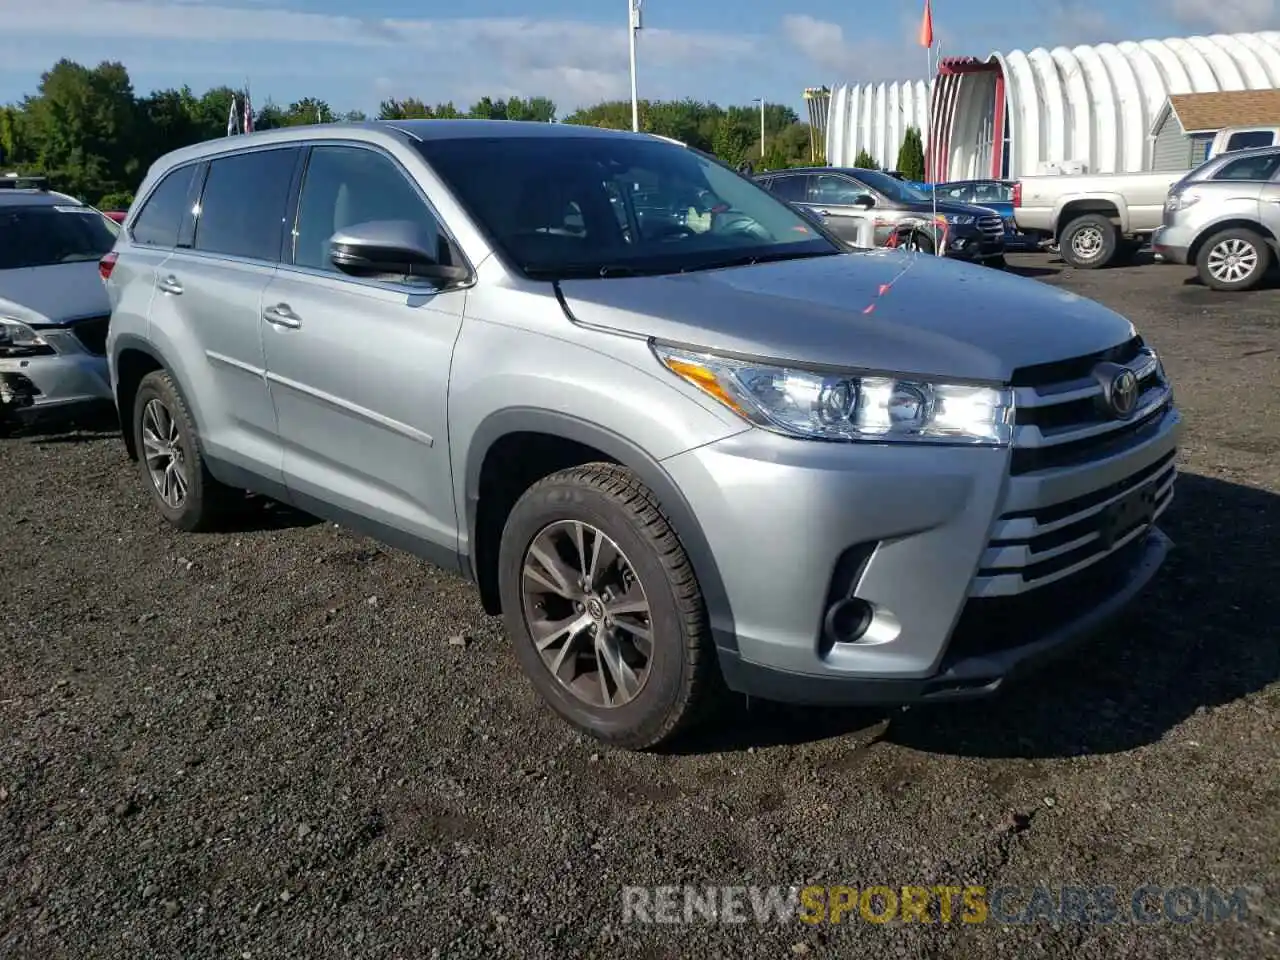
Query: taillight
pixel 1017 194
pixel 106 265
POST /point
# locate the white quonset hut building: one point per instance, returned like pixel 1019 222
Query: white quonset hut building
pixel 1009 114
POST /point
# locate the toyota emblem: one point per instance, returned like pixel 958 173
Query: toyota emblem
pixel 1119 389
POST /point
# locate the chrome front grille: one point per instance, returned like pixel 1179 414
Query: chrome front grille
pixel 991 226
pixel 1062 429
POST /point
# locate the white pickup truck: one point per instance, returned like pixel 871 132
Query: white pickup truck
pixel 1095 219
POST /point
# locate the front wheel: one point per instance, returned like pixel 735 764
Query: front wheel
pixel 603 607
pixel 1234 259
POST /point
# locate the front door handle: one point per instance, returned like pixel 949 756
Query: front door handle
pixel 281 316
pixel 169 284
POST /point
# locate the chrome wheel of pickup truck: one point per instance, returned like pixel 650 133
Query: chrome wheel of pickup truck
pixel 1089 241
pixel 588 613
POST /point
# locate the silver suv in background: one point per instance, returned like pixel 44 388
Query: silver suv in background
pixel 1224 217
pixel 669 453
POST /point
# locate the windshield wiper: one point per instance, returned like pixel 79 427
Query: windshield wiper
pixel 750 260
pixel 589 271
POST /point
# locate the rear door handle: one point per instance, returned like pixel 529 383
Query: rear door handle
pixel 281 316
pixel 169 284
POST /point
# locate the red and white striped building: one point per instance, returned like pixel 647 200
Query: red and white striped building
pixel 1007 114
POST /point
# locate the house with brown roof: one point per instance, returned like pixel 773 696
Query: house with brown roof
pixel 1185 126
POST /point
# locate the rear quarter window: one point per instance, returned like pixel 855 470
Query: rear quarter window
pixel 161 215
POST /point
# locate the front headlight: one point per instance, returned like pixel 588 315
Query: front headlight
pixel 959 219
pixel 836 406
pixel 16 335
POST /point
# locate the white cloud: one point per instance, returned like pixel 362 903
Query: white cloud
pixel 825 47
pixel 573 62
pixel 1228 16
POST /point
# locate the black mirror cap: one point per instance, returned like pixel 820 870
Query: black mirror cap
pixel 389 249
pixel 864 201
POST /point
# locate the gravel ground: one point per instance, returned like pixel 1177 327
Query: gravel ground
pixel 284 741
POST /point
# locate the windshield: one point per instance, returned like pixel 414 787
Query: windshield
pixel 45 235
pixel 891 187
pixel 606 206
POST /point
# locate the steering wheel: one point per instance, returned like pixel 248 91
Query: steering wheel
pixel 740 225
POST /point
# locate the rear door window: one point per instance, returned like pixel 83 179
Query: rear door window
pixel 158 222
pixel 791 188
pixel 242 209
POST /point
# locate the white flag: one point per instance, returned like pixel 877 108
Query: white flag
pixel 232 124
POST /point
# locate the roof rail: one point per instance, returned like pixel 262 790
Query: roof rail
pixel 17 181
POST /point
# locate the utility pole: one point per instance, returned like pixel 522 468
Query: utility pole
pixel 633 27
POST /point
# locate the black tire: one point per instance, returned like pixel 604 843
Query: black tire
pixel 1244 243
pixel 998 262
pixel 920 242
pixel 1089 242
pixel 681 667
pixel 206 502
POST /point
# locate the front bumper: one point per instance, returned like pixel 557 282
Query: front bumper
pixel 975 246
pixel 956 551
pixel 55 386
pixel 1172 243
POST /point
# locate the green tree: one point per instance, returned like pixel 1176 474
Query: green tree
pixel 307 110
pixel 911 155
pixel 83 128
pixel 732 142
pixel 865 161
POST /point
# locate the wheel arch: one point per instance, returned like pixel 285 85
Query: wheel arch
pixel 1232 223
pixel 544 442
pixel 132 359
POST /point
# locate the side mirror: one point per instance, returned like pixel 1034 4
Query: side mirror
pixel 864 201
pixel 391 249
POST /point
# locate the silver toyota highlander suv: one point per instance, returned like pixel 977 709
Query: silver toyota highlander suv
pixel 672 451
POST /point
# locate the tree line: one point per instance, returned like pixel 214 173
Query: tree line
pixel 87 130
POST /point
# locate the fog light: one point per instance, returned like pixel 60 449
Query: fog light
pixel 848 620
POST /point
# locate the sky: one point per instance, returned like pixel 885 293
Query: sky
pixel 355 54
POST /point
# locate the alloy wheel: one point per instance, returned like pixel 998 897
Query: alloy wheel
pixel 163 452
pixel 587 613
pixel 1232 260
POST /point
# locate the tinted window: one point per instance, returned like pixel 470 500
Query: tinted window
pixel 1250 138
pixel 45 235
pixel 959 193
pixel 243 205
pixel 161 216
pixel 894 189
pixel 836 191
pixel 548 203
pixel 345 186
pixel 992 193
pixel 792 189
pixel 1261 167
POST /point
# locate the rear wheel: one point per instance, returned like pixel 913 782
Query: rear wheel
pixel 170 457
pixel 1235 259
pixel 1089 242
pixel 603 607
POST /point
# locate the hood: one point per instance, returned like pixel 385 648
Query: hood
pixel 949 206
pixel 55 294
pixel 878 309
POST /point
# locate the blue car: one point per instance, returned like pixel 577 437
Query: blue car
pixel 996 195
